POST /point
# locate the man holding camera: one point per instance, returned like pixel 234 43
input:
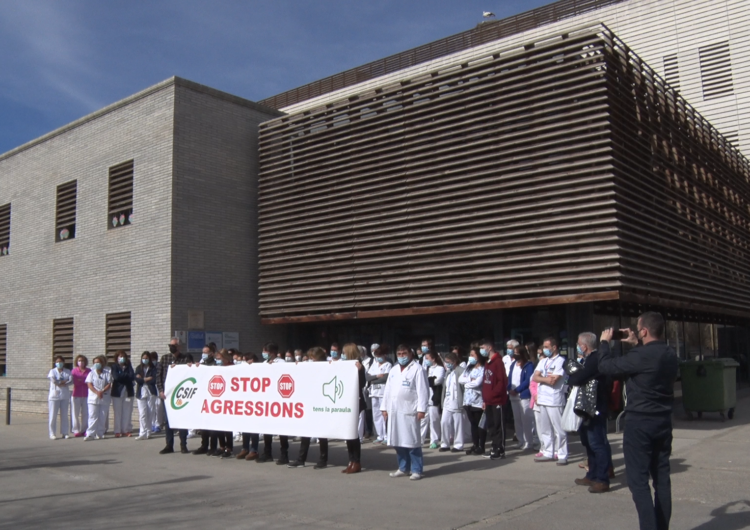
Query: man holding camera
pixel 651 369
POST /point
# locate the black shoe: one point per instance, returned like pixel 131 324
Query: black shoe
pixel 201 451
pixel 219 452
pixel 443 449
pixel 211 452
pixel 471 451
pixel 296 463
pixel 478 452
pixel 184 449
pixel 284 460
pixel 321 465
pixel 494 456
pixel 454 450
pixel 166 450
pixel 263 458
pixel 228 454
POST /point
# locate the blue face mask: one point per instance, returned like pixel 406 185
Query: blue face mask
pixel 425 349
pixel 449 367
pixel 472 361
pixel 344 357
pixel 579 350
pixel 483 352
pixel 204 356
pixel 403 361
pixel 121 360
pixel 334 354
pixel 265 356
pixel 97 366
pixel 144 361
pixel 509 351
pixel 380 360
pixel 289 359
pixel 427 363
pixel 60 365
pixel 547 352
pixel 237 362
pixel 218 362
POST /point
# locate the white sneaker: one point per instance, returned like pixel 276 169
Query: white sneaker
pixel 415 476
pixel 52 437
pixel 397 473
pixel 142 437
pixel 88 438
pixel 66 436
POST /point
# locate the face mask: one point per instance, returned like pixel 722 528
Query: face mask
pixel 60 365
pixel 380 360
pixel 509 351
pixel 97 366
pixel 472 361
pixel 289 359
pixel 204 356
pixel 579 350
pixel 121 360
pixel 428 363
pixel 334 354
pixel 265 356
pixel 449 366
pixel 580 360
pixel 236 362
pixel 483 352
pixel 547 352
pixel 403 361
pixel 425 349
pixel 81 364
pixel 218 362
pixel 172 348
pixel 343 357
pixel 144 361
pixel 298 358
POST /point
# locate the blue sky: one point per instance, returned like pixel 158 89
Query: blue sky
pixel 61 60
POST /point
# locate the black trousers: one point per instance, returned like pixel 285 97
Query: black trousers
pixel 170 436
pixel 647 444
pixel 354 447
pixel 205 438
pixel 478 435
pixel 268 445
pixel 248 437
pixel 496 427
pixel 594 438
pixel 304 447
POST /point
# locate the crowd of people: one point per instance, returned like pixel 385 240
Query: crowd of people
pixel 456 401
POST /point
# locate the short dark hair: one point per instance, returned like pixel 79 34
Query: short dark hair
pixel 404 347
pixel 654 323
pixel 552 341
pixel 271 347
pixel 488 342
pixel 451 357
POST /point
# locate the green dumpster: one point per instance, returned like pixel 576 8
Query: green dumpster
pixel 709 386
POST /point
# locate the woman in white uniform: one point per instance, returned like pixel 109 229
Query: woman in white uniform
pixel 59 398
pixel 519 378
pixel 454 417
pixel 99 382
pixel 404 406
pixel 472 380
pixel 377 376
pixel 145 393
pixel 435 378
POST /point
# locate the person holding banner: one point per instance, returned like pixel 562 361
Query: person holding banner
pixel 404 406
pixel 354 447
pixel 271 356
pixel 317 355
pixel 174 357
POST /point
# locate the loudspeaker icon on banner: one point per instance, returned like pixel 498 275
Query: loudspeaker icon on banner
pixel 333 389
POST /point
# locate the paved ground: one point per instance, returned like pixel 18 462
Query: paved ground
pixel 125 484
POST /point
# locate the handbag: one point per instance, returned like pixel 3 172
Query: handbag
pixel 585 402
pixel 571 421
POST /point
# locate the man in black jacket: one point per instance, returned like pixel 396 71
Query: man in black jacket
pixel 651 369
pixel 593 430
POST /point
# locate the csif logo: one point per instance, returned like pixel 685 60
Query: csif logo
pixel 183 393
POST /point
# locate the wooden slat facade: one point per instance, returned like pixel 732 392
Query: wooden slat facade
pixel 118 333
pixel 506 181
pixel 63 343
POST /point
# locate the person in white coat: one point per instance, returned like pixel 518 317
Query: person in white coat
pixel 377 376
pixel 99 382
pixel 404 406
pixel 435 378
pixel 59 398
pixel 454 417
pixel 472 380
pixel 550 375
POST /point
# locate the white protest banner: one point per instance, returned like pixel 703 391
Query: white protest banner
pixel 302 399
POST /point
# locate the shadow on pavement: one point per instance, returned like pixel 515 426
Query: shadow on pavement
pixel 69 463
pixel 732 516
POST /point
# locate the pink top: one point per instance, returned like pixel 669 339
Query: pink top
pixel 534 388
pixel 80 389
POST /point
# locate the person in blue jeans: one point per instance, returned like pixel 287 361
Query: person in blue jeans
pixel 593 430
pixel 404 406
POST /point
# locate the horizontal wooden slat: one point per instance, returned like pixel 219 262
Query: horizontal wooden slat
pixel 63 339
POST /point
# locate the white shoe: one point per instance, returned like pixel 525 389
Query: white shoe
pixel 397 473
pixel 66 436
pixel 415 476
pixel 142 437
pixel 88 438
pixel 99 437
pixel 52 437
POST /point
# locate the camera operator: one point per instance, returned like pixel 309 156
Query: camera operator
pixel 651 369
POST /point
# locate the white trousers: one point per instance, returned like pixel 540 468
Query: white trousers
pixel 452 427
pixel 424 428
pixel 97 414
pixel 523 420
pixel 361 424
pixel 145 413
pixel 433 415
pixel 377 417
pixel 106 402
pixel 158 414
pixel 123 409
pixel 58 407
pixel 79 411
pixel 554 438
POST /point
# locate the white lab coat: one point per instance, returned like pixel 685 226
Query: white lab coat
pixel 406 393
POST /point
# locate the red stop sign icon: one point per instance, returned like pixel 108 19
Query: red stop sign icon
pixel 286 386
pixel 216 386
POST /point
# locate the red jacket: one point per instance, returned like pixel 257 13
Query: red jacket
pixel 495 388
